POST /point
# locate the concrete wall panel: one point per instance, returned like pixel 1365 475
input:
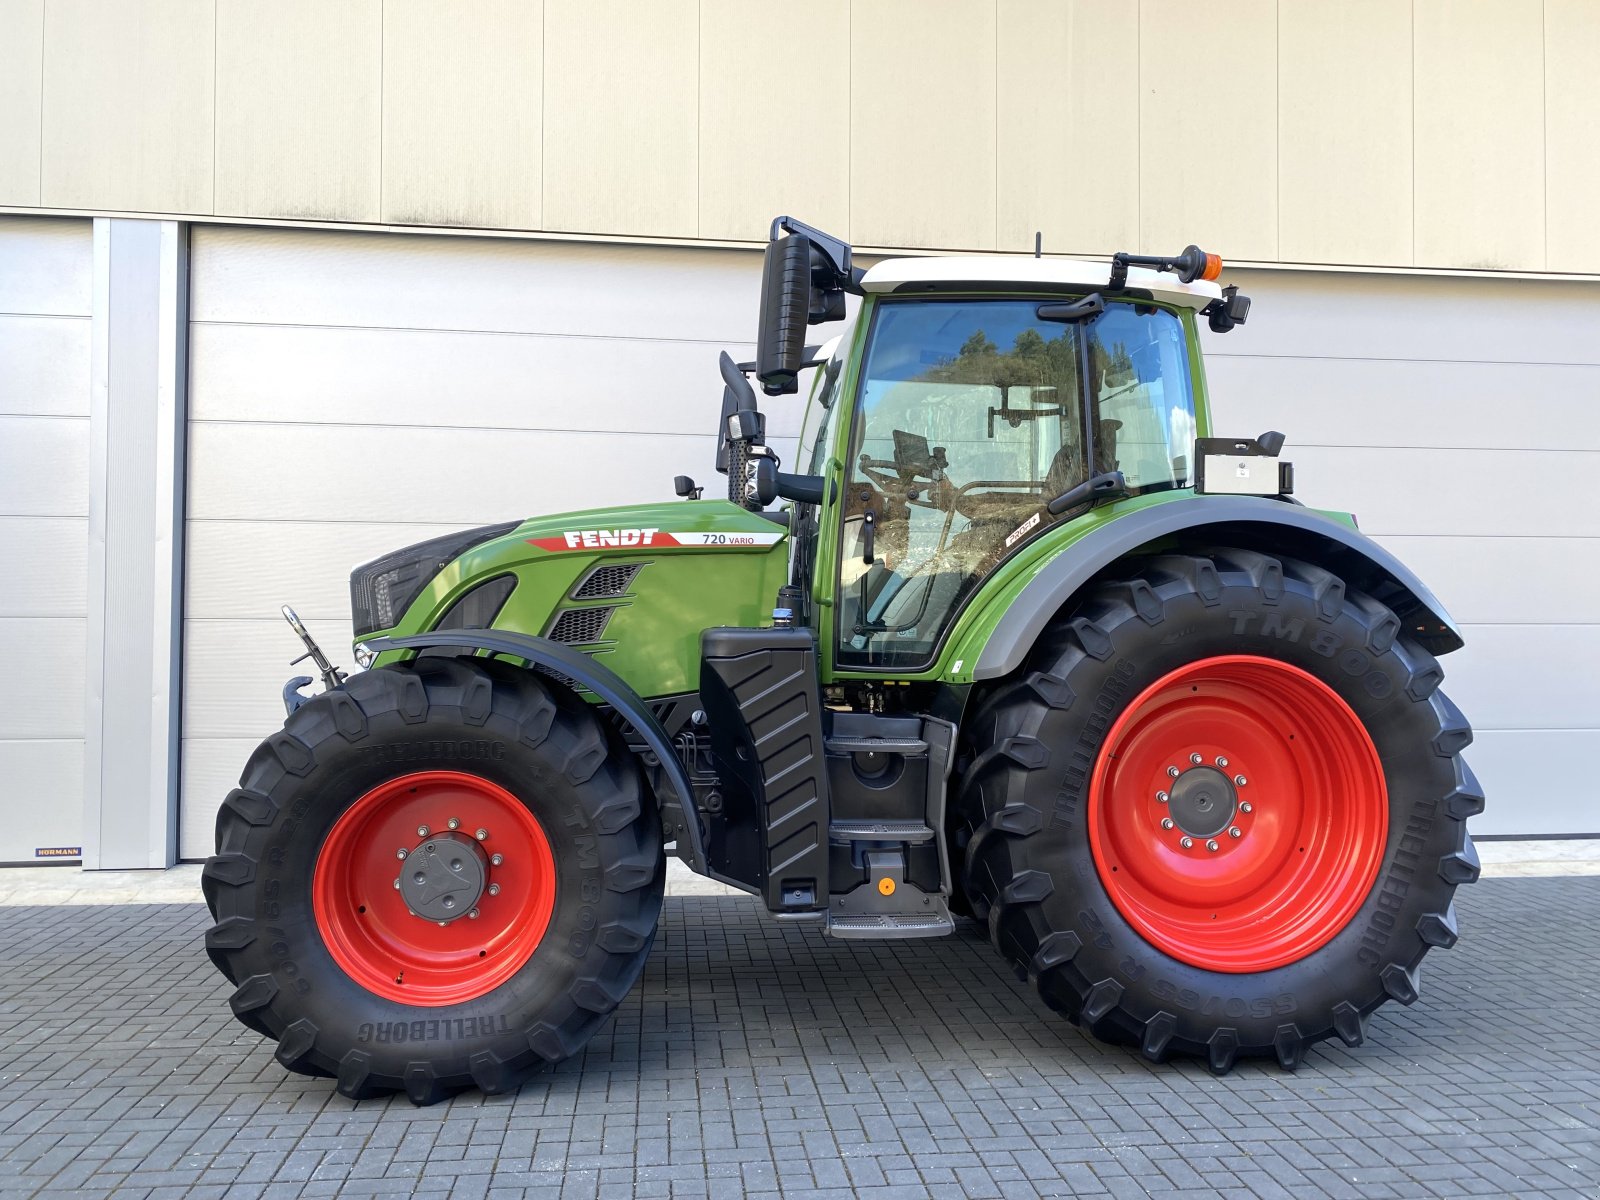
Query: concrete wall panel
pixel 1208 138
pixel 621 117
pixel 922 123
pixel 127 103
pixel 768 150
pixel 1344 131
pixel 21 97
pixel 1066 128
pixel 298 103
pixel 1572 116
pixel 463 90
pixel 1480 123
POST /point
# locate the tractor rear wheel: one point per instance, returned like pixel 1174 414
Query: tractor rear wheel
pixel 435 877
pixel 1222 812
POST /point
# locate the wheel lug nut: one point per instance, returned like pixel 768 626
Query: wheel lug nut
pixel 1247 807
pixel 454 822
pixel 1186 842
pixel 397 883
pixel 1211 844
pixel 1162 797
pixel 1172 771
pixel 481 835
pixel 472 914
pixel 496 859
pixel 422 831
pixel 1196 759
pixel 1166 822
pixel 494 889
pixel 1233 831
pixel 400 853
pixel 1221 761
pixel 1240 780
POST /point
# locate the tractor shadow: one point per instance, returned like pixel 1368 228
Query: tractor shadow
pixel 729 989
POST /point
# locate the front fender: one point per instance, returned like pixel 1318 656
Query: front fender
pixel 1246 522
pixel 595 677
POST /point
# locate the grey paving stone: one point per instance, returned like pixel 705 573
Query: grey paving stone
pixel 758 1060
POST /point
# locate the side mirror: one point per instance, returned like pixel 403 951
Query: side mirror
pixel 803 281
pixel 785 313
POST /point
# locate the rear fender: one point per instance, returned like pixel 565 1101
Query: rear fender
pixel 1246 522
pixel 602 681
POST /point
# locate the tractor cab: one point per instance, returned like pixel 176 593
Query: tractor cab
pixel 977 403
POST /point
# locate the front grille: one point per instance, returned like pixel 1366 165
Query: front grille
pixel 607 582
pixel 580 626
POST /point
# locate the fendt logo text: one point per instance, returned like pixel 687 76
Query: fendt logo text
pixel 591 539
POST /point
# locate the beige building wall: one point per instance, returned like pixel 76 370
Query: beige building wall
pixel 1401 133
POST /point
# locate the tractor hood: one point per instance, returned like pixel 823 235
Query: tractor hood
pixel 635 583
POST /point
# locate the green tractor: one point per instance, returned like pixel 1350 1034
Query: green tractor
pixel 1026 643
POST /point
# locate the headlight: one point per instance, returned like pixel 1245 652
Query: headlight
pixel 382 590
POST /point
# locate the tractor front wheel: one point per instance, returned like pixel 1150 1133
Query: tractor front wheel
pixel 435 877
pixel 1223 810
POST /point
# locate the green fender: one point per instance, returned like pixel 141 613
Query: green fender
pixel 1248 522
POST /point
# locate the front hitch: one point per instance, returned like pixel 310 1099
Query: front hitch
pixel 332 677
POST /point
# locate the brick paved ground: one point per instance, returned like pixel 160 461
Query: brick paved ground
pixel 759 1059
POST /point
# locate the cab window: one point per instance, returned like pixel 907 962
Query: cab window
pixel 973 415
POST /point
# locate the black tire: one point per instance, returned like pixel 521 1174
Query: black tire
pixel 540 743
pixel 1022 807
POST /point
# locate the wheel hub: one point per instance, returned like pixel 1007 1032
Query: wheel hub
pixel 1203 801
pixel 444 877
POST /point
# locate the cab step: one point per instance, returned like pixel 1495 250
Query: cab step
pixel 879 831
pixel 933 923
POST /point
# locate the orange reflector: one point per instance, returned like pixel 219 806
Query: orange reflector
pixel 1213 267
pixel 886 886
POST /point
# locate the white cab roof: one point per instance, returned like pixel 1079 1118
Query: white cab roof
pixel 893 274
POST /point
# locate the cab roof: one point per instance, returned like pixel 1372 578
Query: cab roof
pixel 1005 272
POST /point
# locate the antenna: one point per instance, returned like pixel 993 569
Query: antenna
pixel 1038 243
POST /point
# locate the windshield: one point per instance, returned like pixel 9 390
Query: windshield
pixel 972 418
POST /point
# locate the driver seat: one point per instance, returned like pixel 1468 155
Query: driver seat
pixel 1066 471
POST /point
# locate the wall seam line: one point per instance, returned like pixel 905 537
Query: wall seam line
pixel 44 8
pixel 215 122
pixel 383 36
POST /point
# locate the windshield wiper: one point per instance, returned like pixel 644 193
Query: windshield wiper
pixel 1097 487
pixel 1072 311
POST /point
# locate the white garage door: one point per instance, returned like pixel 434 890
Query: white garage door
pixel 46 269
pixel 1459 419
pixel 351 393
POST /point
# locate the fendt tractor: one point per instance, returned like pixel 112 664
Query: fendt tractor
pixel 1026 643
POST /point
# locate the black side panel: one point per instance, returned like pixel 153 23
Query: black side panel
pixel 759 690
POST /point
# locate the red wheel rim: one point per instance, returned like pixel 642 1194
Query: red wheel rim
pixel 1299 842
pixel 366 921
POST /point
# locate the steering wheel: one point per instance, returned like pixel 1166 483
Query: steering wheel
pixel 902 483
